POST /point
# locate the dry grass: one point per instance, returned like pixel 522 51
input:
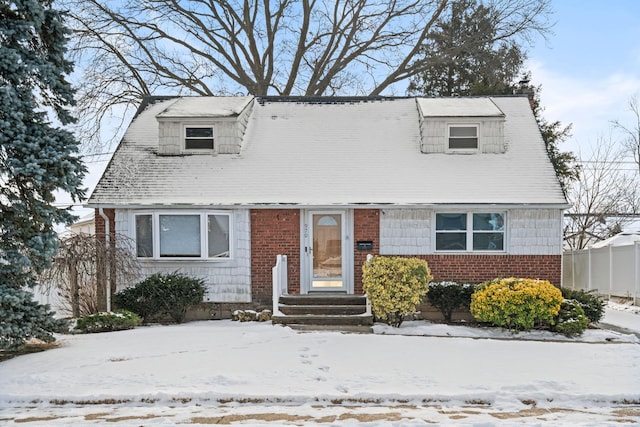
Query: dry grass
pixel 31 346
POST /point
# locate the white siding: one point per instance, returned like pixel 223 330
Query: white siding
pixel 534 231
pixel 170 137
pixel 405 231
pixel 226 281
pixel 529 231
pixel 434 133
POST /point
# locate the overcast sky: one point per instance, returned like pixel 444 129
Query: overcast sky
pixel 589 67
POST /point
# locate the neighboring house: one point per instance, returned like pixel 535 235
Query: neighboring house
pixel 624 238
pixel 86 224
pixel 217 187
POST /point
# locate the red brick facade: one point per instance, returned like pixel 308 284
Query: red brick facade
pixel 277 231
pixel 100 223
pixel 366 226
pixel 274 232
pixel 479 268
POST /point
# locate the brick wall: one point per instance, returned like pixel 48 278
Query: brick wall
pixel 100 223
pixel 273 232
pixel 366 226
pixel 478 268
pixel 463 267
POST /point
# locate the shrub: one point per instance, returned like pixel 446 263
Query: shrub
pixel 107 322
pixel 395 286
pixel 449 296
pixel 571 320
pixel 516 304
pixel 593 305
pixel 161 295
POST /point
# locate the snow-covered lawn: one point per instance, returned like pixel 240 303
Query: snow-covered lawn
pixel 258 374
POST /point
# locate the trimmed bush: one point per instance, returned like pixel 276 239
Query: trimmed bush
pixel 162 295
pixel 593 305
pixel 107 322
pixel 571 319
pixel 395 286
pixel 516 304
pixel 450 296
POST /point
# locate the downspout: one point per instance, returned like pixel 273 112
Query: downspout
pixel 107 238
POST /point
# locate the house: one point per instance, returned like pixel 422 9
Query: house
pixel 218 187
pixel 86 224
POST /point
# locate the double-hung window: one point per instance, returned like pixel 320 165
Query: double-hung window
pixel 463 137
pixel 470 231
pixel 198 138
pixel 173 235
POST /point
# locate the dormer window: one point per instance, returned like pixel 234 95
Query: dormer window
pixel 463 137
pixel 198 138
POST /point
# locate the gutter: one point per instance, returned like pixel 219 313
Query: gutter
pixel 107 232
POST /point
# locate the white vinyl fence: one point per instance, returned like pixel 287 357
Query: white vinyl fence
pixel 610 271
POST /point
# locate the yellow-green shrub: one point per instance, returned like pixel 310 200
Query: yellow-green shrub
pixel 395 286
pixel 517 304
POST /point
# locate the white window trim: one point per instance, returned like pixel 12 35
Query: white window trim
pixel 204 240
pixel 200 126
pixel 469 232
pixel 462 150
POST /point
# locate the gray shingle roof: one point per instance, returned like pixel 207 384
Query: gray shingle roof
pixel 332 153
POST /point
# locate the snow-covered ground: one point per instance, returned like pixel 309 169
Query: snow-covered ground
pixel 258 374
pixel 623 315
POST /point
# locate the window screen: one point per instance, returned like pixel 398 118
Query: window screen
pixel 198 138
pixel 218 236
pixel 144 236
pixel 451 232
pixel 463 137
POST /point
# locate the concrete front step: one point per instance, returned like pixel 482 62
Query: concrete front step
pixel 324 310
pixel 311 319
pixel 296 310
pixel 354 329
pixel 323 299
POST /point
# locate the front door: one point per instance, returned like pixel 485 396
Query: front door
pixel 327 251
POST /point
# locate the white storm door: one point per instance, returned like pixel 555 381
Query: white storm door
pixel 327 251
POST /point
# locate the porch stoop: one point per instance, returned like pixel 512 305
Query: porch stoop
pixel 324 312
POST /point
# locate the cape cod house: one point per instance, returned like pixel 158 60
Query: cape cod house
pixel 218 187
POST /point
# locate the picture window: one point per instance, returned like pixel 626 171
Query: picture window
pixel 193 235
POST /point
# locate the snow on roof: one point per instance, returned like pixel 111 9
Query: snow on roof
pixel 323 154
pixel 206 106
pixel 458 107
pixel 621 239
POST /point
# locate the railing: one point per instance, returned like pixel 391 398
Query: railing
pixel 610 270
pixel 368 312
pixel 279 274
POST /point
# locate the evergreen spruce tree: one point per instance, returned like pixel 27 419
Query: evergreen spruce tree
pixel 37 158
pixel 464 55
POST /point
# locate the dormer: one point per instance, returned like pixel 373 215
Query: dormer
pixel 203 125
pixel 461 126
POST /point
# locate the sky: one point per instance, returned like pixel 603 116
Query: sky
pixel 588 68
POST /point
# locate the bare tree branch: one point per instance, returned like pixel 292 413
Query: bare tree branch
pixel 77 270
pixel 600 189
pixel 306 47
pixel 631 133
